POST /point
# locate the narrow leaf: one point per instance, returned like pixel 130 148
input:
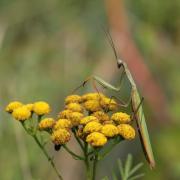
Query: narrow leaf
pixel 136 168
pixel 136 177
pixel 120 168
pixel 128 166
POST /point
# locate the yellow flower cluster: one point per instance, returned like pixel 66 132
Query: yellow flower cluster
pixel 92 117
pixel 22 112
pixel 89 115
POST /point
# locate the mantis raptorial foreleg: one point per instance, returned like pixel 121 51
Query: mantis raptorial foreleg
pixel 106 85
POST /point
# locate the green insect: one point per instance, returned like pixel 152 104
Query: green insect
pixel 136 104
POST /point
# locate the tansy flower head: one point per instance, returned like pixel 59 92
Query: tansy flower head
pixel 62 124
pixel 96 139
pixel 21 114
pixel 75 107
pixel 29 106
pixel 109 130
pixel 41 108
pixel 92 105
pixel 73 99
pixel 46 123
pixel 88 119
pixel 92 96
pixel 108 104
pixel 92 127
pixel 65 114
pixel 101 116
pixel 60 136
pixel 126 131
pixel 13 105
pixel 75 118
pixel 121 118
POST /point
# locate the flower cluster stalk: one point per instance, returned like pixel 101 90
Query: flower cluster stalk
pixel 35 137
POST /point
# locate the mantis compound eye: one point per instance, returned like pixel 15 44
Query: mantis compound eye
pixel 119 63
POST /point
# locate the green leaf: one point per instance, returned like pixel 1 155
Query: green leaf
pixel 136 177
pixel 136 168
pixel 120 166
pixel 128 171
pixel 128 166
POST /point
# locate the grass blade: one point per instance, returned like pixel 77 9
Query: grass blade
pixel 136 177
pixel 136 168
pixel 120 166
pixel 128 166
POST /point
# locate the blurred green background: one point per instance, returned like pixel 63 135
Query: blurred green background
pixel 48 47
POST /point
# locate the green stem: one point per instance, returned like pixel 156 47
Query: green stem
pixel 48 157
pixel 72 153
pixel 88 169
pixel 77 139
pixel 95 167
pixel 43 150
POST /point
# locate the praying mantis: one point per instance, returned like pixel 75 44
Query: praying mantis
pixel 136 105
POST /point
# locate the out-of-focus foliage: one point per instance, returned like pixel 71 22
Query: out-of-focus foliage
pixel 127 171
pixel 47 47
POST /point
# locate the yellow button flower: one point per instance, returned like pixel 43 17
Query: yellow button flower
pixel 121 117
pixel 62 124
pixel 96 139
pixel 75 107
pixel 41 108
pixel 109 130
pixel 109 104
pixel 126 131
pixel 92 127
pixel 73 99
pixel 75 118
pixel 46 123
pixel 12 106
pixel 29 106
pixel 92 96
pixel 92 106
pixel 101 116
pixel 88 119
pixel 60 136
pixel 21 114
pixel 65 114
